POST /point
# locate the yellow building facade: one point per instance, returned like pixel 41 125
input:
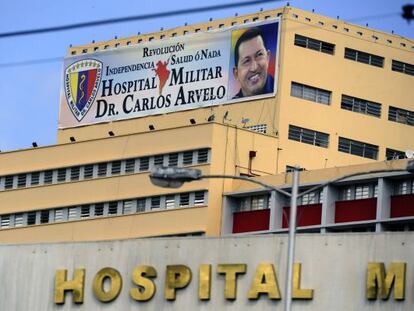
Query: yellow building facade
pixel 342 99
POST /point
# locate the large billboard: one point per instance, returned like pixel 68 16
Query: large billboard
pixel 179 73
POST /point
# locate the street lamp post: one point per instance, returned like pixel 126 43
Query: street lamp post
pixel 174 177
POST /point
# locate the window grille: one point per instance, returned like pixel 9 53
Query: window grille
pixel 358 148
pixel 187 158
pixel 88 171
pixel 130 166
pixel 99 209
pixel 35 178
pixel 360 105
pixel 127 207
pixel 159 160
pixel 144 164
pixel 8 184
pixel 173 159
pixel 184 199
pixel 310 93
pixel 141 205
pixel 401 115
pixel 170 201
pixel 363 57
pixel 21 180
pixel 155 203
pixel 314 44
pixel 116 168
pixel 391 154
pixel 31 218
pixel 61 175
pixel 5 221
pixel 48 177
pixel 72 213
pixel 18 220
pixel 74 173
pixel 58 214
pixel 113 208
pixel 199 198
pixel 85 211
pixel 202 156
pixel 402 67
pixel 102 168
pixel 44 217
pixel 259 128
pixel 308 136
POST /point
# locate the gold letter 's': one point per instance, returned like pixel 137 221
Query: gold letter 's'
pixel 377 279
pixel 204 283
pixel 264 282
pixel 177 276
pixel 76 286
pixel 115 287
pixel 146 287
pixel 297 292
pixel 231 271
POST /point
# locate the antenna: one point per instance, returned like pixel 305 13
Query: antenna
pixel 409 154
pixel 244 121
pixel 226 116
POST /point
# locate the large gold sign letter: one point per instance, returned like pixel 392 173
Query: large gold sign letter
pixel 98 284
pixel 230 271
pixel 178 276
pixel 377 279
pixel 140 277
pixel 264 282
pixel 76 285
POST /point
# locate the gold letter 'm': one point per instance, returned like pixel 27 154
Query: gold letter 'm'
pixel 76 285
pixel 264 282
pixel 377 279
pixel 140 277
pixel 230 284
pixel 177 276
pixel 98 284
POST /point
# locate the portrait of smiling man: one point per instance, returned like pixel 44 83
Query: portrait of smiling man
pixel 251 59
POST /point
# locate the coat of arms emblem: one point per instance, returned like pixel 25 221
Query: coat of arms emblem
pixel 82 80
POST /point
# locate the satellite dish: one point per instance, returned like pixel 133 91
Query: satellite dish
pixel 244 121
pixel 409 154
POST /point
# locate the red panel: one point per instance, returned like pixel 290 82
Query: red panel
pixel 402 205
pixel 251 221
pixel 307 215
pixel 356 210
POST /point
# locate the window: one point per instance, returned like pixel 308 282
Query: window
pixel 363 57
pixel 85 211
pixel 170 201
pixel 361 106
pixel 391 154
pixel 72 213
pixel 48 177
pixel 401 115
pixel 199 198
pixel 116 168
pixel 88 171
pixel 18 220
pixel 35 178
pixel 359 191
pixel 159 160
pixel 5 221
pixel 61 175
pixel 21 180
pixel 311 198
pixel 155 203
pixel 102 167
pixel 188 158
pixel 259 202
pixel 127 207
pixel 405 186
pixel 99 209
pixel 141 205
pixel 202 156
pixel 310 93
pixel 358 148
pixel 58 214
pixel 31 218
pixel 173 159
pixel 314 44
pixel 44 217
pixel 8 184
pixel 144 164
pixel 184 199
pixel 308 136
pixel 130 166
pixel 113 208
pixel 74 173
pixel 402 67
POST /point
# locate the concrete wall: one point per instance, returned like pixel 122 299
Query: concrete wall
pixel 335 266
